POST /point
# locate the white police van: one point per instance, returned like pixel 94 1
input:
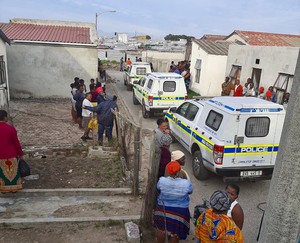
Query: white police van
pixel 157 92
pixel 235 137
pixel 135 71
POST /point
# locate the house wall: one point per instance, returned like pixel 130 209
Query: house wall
pixel 273 60
pixel 4 88
pixel 38 70
pixel 212 74
pixel 162 60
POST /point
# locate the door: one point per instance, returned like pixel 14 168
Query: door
pixel 167 94
pixel 3 85
pixel 138 89
pixel 256 74
pixel 256 143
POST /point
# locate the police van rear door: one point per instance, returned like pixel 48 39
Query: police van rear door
pixel 255 143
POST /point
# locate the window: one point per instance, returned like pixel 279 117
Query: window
pixel 149 86
pixel 182 109
pixel 235 72
pixel 283 85
pixel 214 120
pixel 141 71
pixel 2 71
pixel 191 112
pixel 142 81
pixel 198 70
pixel 169 86
pixel 257 126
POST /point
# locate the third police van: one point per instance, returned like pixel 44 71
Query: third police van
pixel 235 137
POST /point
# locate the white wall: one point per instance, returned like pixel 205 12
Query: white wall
pixel 162 60
pixel 272 61
pixel 37 70
pixel 212 75
pixel 4 88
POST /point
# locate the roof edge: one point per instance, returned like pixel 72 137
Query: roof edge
pixel 4 37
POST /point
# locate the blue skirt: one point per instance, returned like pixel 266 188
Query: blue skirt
pixel 177 220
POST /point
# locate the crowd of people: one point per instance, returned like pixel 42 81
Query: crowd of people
pixel 95 102
pixel 182 68
pixel 171 214
pixel 236 89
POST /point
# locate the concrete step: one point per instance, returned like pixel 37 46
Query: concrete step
pixel 69 192
pixel 21 211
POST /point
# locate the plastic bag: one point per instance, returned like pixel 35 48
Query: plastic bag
pixel 93 124
pixel 24 168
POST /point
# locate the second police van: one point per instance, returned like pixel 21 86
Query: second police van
pixel 157 92
pixel 235 137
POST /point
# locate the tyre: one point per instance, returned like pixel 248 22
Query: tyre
pixel 144 111
pixel 134 99
pixel 200 172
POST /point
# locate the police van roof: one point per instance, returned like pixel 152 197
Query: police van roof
pixel 245 104
pixel 166 75
pixel 139 63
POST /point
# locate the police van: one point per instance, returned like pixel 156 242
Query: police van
pixel 235 137
pixel 157 92
pixel 135 71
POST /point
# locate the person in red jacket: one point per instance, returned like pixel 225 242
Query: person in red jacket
pixel 10 151
pixel 238 88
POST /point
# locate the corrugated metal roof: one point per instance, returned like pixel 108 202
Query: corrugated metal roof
pixel 213 37
pixel 212 47
pixel 268 39
pixel 47 33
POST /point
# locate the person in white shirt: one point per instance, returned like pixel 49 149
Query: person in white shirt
pixel 235 211
pixel 250 91
pixel 86 116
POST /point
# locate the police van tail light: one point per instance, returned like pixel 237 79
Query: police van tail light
pixel 150 99
pixel 218 153
pixel 185 97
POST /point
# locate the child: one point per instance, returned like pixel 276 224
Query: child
pixel 261 94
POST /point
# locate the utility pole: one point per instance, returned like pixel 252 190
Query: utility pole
pixel 98 14
pixel 282 217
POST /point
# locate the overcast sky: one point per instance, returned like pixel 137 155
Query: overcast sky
pixel 158 18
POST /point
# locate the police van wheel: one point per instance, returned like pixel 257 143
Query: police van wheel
pixel 145 113
pixel 134 99
pixel 129 87
pixel 200 172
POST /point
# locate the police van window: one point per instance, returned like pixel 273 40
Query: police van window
pixel 214 120
pixel 191 112
pixel 169 86
pixel 149 86
pixel 142 81
pixel 141 71
pixel 257 126
pixel 182 109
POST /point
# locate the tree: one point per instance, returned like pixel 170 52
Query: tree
pixel 172 37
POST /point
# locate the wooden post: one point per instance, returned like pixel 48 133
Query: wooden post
pixel 136 166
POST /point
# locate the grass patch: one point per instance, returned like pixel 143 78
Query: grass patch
pixel 113 223
pixel 191 93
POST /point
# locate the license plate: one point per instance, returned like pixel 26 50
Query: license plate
pixel 251 173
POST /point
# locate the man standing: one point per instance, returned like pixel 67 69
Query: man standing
pixel 227 86
pixel 235 211
pixel 105 118
pixel 86 116
pixel 121 64
pixel 238 88
pixel 79 97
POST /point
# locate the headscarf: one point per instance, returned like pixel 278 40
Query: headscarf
pixel 220 201
pixel 176 155
pixel 173 167
pixel 166 140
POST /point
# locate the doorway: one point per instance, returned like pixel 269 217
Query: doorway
pixel 256 74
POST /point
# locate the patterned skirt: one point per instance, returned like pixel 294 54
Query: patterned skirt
pixel 176 220
pixel 10 180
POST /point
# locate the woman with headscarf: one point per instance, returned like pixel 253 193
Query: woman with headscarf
pixel 214 225
pixel 10 151
pixel 179 156
pixel 165 154
pixel 171 215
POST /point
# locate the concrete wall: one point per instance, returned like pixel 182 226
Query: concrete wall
pixel 273 60
pixel 162 60
pixel 212 74
pixel 4 88
pixel 41 70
